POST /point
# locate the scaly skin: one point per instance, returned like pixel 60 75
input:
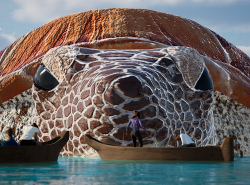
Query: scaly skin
pixel 100 89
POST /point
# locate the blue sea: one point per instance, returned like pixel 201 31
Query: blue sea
pixel 93 170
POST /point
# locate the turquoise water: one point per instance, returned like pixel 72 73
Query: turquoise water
pixel 77 170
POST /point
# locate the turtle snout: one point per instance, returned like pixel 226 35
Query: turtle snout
pixel 129 86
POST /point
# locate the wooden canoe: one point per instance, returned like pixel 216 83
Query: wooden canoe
pixel 48 152
pixel 223 152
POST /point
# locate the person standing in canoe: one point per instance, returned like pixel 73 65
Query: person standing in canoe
pixel 136 123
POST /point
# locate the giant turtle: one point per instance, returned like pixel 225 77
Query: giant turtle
pixel 104 64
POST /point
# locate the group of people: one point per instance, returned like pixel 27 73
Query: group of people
pixel 135 134
pixel 29 132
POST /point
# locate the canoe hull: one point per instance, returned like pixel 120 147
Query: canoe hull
pixel 48 152
pixel 223 152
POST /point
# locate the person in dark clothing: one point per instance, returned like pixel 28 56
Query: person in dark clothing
pixel 136 123
pixel 7 138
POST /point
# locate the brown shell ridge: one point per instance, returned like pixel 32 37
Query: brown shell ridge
pixel 9 54
pixel 95 28
pixel 226 55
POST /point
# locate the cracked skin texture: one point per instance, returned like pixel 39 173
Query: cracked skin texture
pixel 87 27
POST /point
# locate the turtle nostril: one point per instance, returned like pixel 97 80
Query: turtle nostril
pixel 129 86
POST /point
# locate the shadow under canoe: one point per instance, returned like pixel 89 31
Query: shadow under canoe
pixel 48 152
pixel 223 152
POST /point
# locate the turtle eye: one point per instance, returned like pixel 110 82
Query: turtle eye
pixel 205 82
pixel 44 79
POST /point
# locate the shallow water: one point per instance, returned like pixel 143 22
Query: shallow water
pixel 90 170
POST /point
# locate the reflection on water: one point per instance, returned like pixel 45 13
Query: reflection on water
pixel 30 172
pixel 90 170
pixel 162 162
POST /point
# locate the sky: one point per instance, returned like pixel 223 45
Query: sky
pixel 228 18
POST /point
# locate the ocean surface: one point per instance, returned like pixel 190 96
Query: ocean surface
pixel 93 170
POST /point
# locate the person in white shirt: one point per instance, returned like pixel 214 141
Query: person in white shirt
pixel 29 132
pixel 185 139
